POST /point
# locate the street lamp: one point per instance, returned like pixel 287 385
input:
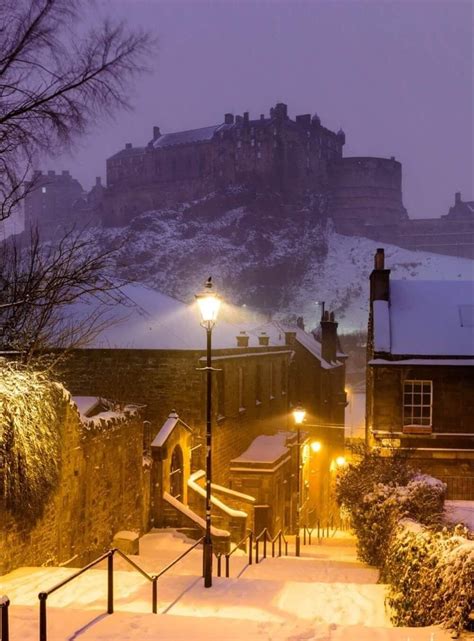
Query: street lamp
pixel 209 304
pixel 298 414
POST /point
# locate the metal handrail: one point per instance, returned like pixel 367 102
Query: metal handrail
pixel 309 531
pixel 279 535
pixel 266 537
pixel 4 626
pixel 109 555
pixel 249 536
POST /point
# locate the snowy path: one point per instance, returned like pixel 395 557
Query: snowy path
pixel 326 595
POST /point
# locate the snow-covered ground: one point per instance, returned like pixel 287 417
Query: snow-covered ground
pixel 326 595
pixel 461 512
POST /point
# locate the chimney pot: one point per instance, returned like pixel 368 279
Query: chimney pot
pixel 379 261
pixel 242 340
pixel 263 339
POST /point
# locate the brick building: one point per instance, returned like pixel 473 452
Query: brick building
pixel 420 374
pixel 155 358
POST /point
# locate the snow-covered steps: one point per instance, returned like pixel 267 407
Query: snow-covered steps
pixel 325 595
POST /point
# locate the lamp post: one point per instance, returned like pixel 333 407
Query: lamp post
pixel 298 414
pixel 209 304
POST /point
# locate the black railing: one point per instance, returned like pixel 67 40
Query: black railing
pixel 279 536
pixel 265 535
pixel 153 578
pixel 307 532
pixel 4 626
pixel 248 537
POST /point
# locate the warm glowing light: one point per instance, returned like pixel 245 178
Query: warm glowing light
pixel 316 446
pixel 298 414
pixel 209 304
pixel 305 454
pixel 340 461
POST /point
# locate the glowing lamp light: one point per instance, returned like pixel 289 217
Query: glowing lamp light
pixel 209 304
pixel 316 446
pixel 298 414
pixel 340 461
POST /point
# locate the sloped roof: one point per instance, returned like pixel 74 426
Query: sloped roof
pixel 426 318
pixel 202 134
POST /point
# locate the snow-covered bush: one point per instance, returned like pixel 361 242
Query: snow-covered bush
pixel 431 576
pixel 378 491
pixel 29 438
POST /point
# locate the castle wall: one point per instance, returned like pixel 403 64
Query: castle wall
pixel 366 191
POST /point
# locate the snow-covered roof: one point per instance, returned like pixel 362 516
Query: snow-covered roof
pixel 426 318
pixel 167 428
pixel 266 449
pixel 186 137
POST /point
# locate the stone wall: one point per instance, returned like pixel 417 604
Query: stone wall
pixel 100 491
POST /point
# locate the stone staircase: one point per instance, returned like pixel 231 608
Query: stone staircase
pixel 324 595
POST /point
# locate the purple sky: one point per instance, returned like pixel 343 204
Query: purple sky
pixel 397 76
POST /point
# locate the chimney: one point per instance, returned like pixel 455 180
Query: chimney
pixel 457 198
pixel 156 132
pixel 51 173
pixel 229 119
pixel 238 119
pixel 128 145
pixel 242 340
pixel 281 111
pixel 37 173
pixel 329 338
pixel 65 172
pixel 262 116
pixel 380 278
pixel 300 322
pixel 290 338
pixel 263 339
pixel 98 181
pixel 246 116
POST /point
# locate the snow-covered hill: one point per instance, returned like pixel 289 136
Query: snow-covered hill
pixel 265 255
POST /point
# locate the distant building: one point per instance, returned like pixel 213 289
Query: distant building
pixel 271 153
pixel 56 203
pixel 420 374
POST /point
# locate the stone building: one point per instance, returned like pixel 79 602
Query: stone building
pixel 155 358
pixel 420 374
pixel 56 203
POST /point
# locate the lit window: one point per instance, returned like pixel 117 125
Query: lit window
pixel 43 190
pixel 252 142
pixel 417 406
pixel 239 143
pixel 259 154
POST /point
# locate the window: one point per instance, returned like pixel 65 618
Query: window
pixel 272 381
pixel 241 390
pixel 220 394
pixel 417 406
pixel 43 190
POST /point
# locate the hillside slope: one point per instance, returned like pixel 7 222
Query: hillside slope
pixel 266 255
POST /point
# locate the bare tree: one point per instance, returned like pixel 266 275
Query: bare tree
pixel 56 78
pixel 40 287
